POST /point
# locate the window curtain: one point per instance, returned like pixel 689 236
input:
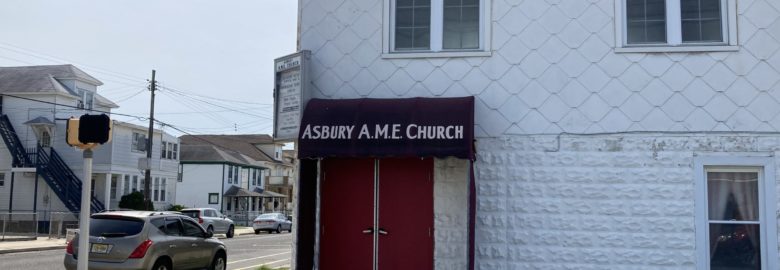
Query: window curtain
pixel 733 196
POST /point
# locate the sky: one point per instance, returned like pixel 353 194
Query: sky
pixel 214 59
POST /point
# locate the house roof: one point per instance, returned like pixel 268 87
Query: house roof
pixel 41 78
pixel 235 191
pixel 210 153
pixel 243 144
pixel 40 120
pixel 45 79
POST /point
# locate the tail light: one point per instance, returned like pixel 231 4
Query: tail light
pixel 69 249
pixel 140 251
pixel 200 220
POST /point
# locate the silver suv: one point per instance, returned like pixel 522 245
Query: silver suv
pixel 148 240
pixel 212 220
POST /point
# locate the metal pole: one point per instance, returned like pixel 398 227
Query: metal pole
pixel 86 184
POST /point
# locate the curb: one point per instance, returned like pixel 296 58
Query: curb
pixel 7 251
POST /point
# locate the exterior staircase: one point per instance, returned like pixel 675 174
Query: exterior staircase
pixel 50 166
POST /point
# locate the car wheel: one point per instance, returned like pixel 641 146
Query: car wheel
pixel 230 232
pixel 219 262
pixel 210 229
pixel 162 264
pixel 257 231
pixel 289 230
pixel 278 228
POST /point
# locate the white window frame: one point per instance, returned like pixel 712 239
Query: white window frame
pixel 674 31
pixel 767 204
pixel 436 34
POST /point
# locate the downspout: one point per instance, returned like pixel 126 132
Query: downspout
pixel 222 191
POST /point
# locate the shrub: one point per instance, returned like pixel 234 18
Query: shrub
pixel 134 201
pixel 176 207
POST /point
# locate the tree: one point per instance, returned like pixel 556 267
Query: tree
pixel 134 201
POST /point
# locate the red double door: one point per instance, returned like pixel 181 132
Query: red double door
pixel 376 213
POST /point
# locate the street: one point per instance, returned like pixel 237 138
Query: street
pixel 246 252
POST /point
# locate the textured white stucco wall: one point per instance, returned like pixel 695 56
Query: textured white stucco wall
pixel 595 202
pixel 450 210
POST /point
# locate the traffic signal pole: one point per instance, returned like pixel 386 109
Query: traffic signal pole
pixel 150 138
pixel 86 195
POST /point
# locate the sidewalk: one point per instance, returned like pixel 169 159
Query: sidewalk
pixel 42 243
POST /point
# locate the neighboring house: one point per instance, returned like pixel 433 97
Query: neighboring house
pixel 39 172
pixel 227 172
pixel 610 134
pixel 125 155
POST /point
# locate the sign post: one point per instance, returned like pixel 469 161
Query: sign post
pixel 87 133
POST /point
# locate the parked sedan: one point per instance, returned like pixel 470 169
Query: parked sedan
pixel 211 220
pixel 273 222
pixel 147 240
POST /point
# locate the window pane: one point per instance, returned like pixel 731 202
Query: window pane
pixel 422 38
pixel 711 31
pixel 735 246
pixel 702 20
pixel 646 21
pixel 461 25
pixel 403 17
pixel 732 195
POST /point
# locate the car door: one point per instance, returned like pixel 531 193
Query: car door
pixel 195 243
pixel 219 222
pixel 176 245
pixel 286 224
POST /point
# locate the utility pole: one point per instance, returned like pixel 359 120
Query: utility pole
pixel 150 138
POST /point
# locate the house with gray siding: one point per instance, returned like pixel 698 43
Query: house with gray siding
pixel 41 173
pixel 609 134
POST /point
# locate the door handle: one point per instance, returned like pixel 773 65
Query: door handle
pixel 194 245
pixel 368 231
pixel 382 231
pixel 171 246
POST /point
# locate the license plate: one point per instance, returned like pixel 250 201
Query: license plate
pixel 100 248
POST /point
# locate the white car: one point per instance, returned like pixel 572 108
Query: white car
pixel 212 220
pixel 272 222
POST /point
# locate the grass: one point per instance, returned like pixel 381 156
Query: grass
pixel 269 268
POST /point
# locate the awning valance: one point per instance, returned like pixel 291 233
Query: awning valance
pixel 414 127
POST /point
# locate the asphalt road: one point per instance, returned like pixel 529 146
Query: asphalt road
pixel 244 253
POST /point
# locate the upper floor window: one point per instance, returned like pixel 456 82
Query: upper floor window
pixel 169 150
pixel 87 99
pixel 676 25
pixel 443 27
pixel 139 142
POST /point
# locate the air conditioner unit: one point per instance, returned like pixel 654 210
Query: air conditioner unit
pixel 141 144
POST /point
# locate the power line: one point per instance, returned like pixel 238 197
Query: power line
pixel 220 106
pixel 215 98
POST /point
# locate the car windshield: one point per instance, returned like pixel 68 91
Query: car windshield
pixel 192 214
pixel 267 216
pixel 115 226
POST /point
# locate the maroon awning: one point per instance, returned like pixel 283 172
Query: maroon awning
pixel 414 127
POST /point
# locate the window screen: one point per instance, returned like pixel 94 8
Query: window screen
pixel 701 21
pixel 461 24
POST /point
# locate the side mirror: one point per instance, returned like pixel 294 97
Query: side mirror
pixel 208 234
pixel 224 216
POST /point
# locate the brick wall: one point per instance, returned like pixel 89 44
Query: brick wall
pixel 450 206
pixel 594 202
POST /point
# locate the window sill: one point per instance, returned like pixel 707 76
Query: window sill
pixel 436 54
pixel 665 49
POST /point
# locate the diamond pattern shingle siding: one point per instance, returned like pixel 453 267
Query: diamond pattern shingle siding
pixel 554 69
